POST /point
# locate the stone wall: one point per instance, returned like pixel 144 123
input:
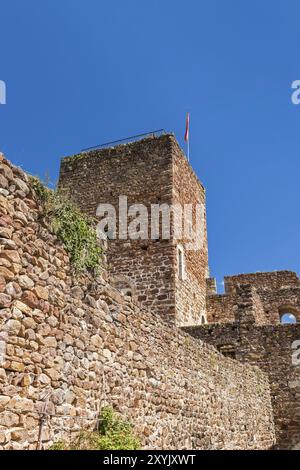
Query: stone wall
pixel 69 346
pixel 190 292
pixel 269 280
pixel 275 293
pixel 141 171
pixel 151 171
pixel 270 347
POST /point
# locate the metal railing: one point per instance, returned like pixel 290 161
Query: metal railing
pixel 132 138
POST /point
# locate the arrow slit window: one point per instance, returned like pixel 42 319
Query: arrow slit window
pixel 181 262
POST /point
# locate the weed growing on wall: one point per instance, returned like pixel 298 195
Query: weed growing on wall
pixel 75 230
pixel 114 433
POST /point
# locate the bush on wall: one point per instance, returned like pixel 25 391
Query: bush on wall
pixel 75 230
pixel 114 433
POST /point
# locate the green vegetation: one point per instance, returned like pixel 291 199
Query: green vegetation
pixel 75 230
pixel 114 433
pixel 74 159
pixel 40 189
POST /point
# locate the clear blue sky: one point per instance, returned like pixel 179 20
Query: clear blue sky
pixel 79 73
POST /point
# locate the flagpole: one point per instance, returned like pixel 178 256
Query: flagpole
pixel 187 135
pixel 189 139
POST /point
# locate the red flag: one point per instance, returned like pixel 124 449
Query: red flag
pixel 187 127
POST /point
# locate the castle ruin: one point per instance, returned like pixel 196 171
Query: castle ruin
pixel 150 335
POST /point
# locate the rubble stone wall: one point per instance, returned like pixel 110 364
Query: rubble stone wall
pixel 275 349
pixel 276 293
pixel 70 345
pixel 153 171
pixel 190 293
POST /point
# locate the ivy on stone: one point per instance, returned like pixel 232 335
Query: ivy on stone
pixel 75 230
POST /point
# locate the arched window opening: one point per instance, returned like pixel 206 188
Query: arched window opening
pixel 288 319
pixel 289 314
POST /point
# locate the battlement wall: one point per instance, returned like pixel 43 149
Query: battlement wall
pixel 274 294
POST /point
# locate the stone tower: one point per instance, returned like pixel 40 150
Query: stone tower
pixel 166 274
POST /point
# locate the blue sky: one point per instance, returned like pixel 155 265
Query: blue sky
pixel 79 73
